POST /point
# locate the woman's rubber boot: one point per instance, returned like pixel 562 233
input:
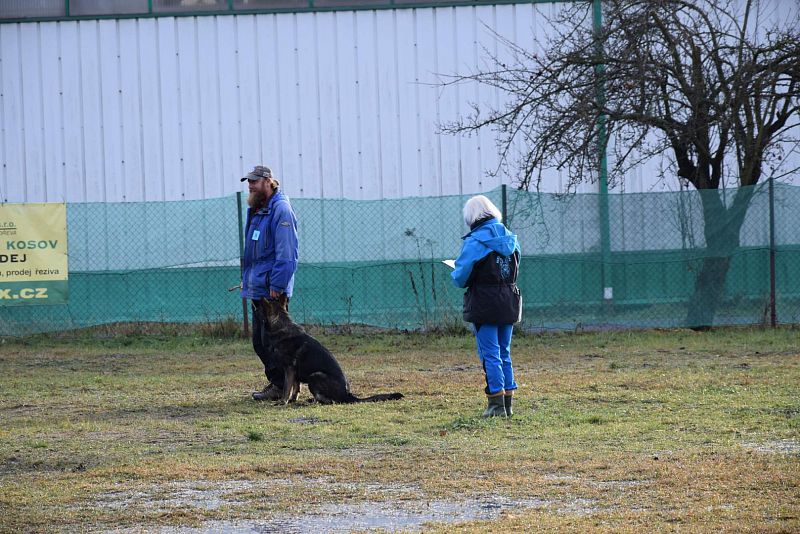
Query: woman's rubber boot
pixel 496 408
pixel 507 403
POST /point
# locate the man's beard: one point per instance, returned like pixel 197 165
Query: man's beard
pixel 257 200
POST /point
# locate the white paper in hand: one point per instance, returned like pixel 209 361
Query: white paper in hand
pixel 450 263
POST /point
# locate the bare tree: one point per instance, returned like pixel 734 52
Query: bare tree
pixel 707 84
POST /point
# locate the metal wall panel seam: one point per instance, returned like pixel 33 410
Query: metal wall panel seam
pixel 62 134
pixel 179 87
pixel 398 118
pixel 43 122
pixel 103 177
pixel 358 108
pixel 476 61
pixel 419 177
pixel 320 164
pixel 143 165
pixel 4 155
pixel 202 177
pixel 160 111
pixel 496 93
pixel 21 101
pixel 193 159
pixel 221 159
pixel 127 98
pixel 34 100
pixel 337 84
pixel 377 60
pixel 440 177
pixel 260 112
pixel 85 185
pixel 122 96
pixel 459 158
pixel 299 105
pixel 278 132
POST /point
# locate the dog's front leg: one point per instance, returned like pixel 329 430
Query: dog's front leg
pixel 295 390
pixel 289 379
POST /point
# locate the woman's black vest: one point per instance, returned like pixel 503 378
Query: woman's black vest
pixel 492 295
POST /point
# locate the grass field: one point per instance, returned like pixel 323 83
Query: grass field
pixel 152 428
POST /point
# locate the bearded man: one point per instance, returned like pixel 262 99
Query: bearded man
pixel 270 261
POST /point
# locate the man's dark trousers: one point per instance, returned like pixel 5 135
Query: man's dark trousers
pixel 262 346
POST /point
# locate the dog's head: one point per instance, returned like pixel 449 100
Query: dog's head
pixel 276 311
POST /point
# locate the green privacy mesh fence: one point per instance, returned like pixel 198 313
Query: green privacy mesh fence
pixel 659 260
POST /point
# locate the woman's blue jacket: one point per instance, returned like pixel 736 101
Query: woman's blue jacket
pixel 488 266
pixel 491 236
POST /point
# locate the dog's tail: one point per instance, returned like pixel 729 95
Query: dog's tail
pixel 377 398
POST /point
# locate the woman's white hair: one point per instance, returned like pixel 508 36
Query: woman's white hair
pixel 479 207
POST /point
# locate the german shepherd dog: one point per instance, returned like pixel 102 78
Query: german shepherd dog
pixel 306 360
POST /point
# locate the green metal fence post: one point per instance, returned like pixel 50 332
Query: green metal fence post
pixel 504 208
pixel 773 314
pixel 245 319
pixel 605 233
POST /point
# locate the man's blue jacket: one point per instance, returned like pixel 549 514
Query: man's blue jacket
pixel 270 249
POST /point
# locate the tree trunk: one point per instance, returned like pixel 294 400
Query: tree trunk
pixel 708 288
pixel 722 227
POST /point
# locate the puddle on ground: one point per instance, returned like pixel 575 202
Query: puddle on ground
pixel 405 508
pixel 406 516
pixel 784 446
pixel 199 494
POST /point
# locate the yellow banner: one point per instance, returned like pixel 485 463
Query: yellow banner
pixel 33 253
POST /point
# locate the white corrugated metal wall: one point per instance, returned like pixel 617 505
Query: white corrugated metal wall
pixel 340 104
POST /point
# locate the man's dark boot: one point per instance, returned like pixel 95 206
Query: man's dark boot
pixel 271 392
pixel 496 407
pixel 507 402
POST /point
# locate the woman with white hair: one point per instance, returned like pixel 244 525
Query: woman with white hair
pixel 487 266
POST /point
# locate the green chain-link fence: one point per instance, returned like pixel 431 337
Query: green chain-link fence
pixel 379 262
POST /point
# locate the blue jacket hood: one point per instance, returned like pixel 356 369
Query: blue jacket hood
pixel 495 236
